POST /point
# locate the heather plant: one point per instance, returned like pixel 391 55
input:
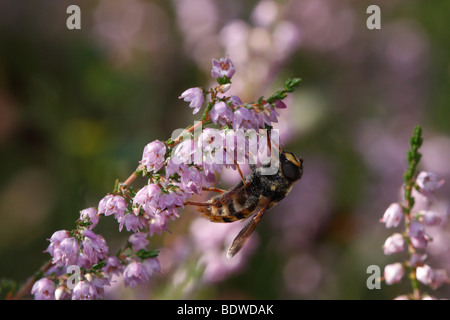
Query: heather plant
pixel 414 213
pixel 82 264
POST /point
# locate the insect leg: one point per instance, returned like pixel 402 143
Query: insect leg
pixel 198 204
pixel 214 189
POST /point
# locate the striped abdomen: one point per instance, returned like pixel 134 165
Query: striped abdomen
pixel 234 205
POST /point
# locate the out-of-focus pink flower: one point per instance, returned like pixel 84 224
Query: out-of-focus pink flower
pixel 393 273
pixel 394 244
pixel 195 97
pixel 417 235
pixel 430 218
pixel 212 241
pixel 428 181
pixel 138 241
pixel 158 224
pixel 431 277
pixel 135 273
pixel 153 156
pixel 392 216
pixel 152 265
pixel 417 260
pixel 222 67
pixel 43 289
pixel 113 266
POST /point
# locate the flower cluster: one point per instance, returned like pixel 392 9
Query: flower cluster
pixel 175 172
pixel 417 213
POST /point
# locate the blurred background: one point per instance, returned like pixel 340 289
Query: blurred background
pixel 77 108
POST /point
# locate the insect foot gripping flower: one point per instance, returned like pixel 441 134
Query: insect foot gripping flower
pixel 195 97
pixel 393 215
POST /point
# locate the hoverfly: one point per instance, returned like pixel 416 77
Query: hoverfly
pixel 255 193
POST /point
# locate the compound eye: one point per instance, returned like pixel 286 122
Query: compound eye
pixel 291 171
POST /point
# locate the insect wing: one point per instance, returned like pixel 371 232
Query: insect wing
pixel 245 234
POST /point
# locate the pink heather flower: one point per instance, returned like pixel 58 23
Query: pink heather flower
pixel 56 240
pixel 266 116
pixel 417 260
pixel 91 215
pixel 138 241
pixel 43 289
pixel 425 274
pixel 111 204
pixel 244 119
pixel 417 235
pixel 210 140
pixel 158 224
pixel 131 222
pixel 180 157
pixel 153 156
pixel 235 101
pixel 221 113
pixel 392 216
pixel 84 290
pixel 440 277
pixel 394 244
pixel 94 248
pixel 113 266
pixel 222 67
pixel 98 282
pixel 393 273
pixel 173 198
pixel 428 182
pixel 148 199
pixel 195 97
pixel 63 293
pixel 191 181
pixel 135 273
pixel 152 265
pixel 66 253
